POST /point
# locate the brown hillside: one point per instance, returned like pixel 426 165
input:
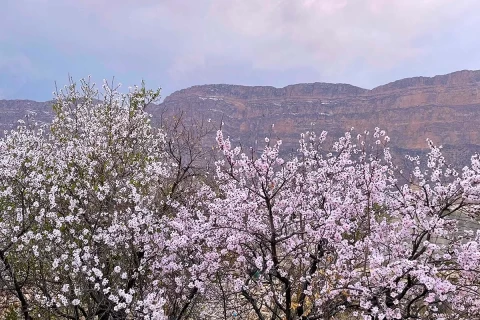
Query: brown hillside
pixel 445 108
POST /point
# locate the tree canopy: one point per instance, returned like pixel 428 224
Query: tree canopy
pixel 105 216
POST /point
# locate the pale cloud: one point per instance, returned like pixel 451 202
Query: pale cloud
pixel 327 35
pixel 16 69
pixel 270 34
pixel 184 42
pixel 18 62
pixel 331 33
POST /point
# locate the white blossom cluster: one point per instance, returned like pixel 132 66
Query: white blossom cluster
pixel 93 225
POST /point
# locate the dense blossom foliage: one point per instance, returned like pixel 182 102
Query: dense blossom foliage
pixel 103 216
pixel 333 233
pixel 82 206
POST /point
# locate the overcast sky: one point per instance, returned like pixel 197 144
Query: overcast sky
pixel 175 44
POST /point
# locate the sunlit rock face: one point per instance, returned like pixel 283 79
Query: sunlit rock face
pixel 444 108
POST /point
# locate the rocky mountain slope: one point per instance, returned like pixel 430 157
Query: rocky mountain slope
pixel 13 110
pixel 444 108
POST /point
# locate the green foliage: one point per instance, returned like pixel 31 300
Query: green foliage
pixel 11 313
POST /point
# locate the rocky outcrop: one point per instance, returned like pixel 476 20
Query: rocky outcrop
pixel 444 108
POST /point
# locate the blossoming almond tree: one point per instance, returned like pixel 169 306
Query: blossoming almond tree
pixel 23 152
pixel 107 162
pixel 88 231
pixel 103 216
pixel 334 233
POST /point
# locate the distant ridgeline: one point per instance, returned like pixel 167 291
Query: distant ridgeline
pixel 444 108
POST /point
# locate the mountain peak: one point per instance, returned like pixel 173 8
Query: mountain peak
pixel 323 89
pixel 314 90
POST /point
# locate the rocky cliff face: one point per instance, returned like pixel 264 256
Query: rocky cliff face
pixel 443 108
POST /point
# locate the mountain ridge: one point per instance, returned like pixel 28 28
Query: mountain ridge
pixel 455 78
pixel 444 108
